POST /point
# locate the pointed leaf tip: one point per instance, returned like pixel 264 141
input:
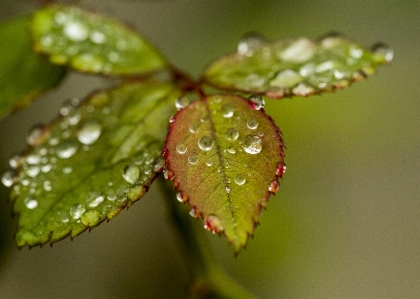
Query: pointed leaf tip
pixel 223 155
pixel 296 67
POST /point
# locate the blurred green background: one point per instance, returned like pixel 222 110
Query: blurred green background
pixel 346 221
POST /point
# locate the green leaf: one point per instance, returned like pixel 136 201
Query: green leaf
pixel 23 73
pixel 96 159
pixel 225 159
pixel 295 67
pixel 92 43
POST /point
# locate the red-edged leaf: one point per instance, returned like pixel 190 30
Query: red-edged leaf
pixel 225 158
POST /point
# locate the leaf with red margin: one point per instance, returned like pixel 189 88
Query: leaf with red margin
pixel 296 67
pixel 225 159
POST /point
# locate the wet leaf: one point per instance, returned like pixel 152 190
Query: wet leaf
pixel 96 159
pixel 23 73
pixel 92 43
pixel 225 159
pixel 296 67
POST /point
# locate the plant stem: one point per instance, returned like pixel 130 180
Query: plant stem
pixel 208 280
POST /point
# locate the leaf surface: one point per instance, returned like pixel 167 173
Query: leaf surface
pixel 92 43
pixel 23 73
pixel 295 67
pixel 225 159
pixel 96 159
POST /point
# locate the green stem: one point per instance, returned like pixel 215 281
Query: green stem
pixel 208 280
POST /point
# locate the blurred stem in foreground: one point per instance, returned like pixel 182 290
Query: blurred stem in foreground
pixel 208 280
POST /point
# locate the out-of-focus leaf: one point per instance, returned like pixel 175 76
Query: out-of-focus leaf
pixel 23 73
pixel 96 159
pixel 92 43
pixel 225 157
pixel 295 67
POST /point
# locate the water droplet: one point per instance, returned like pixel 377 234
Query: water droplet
pixel 181 197
pixel 33 159
pixel 383 50
pixel 16 160
pixel 227 189
pixel 286 79
pixel 181 148
pixel 66 150
pixel 193 159
pixel 255 81
pixel 169 174
pixel 252 123
pixel 232 150
pixel 281 169
pixel 111 195
pixel 193 128
pixel 213 224
pixel 36 134
pixel 240 179
pixel 181 103
pixel 89 133
pixel 252 144
pixel 194 213
pixel 274 187
pixel 158 164
pixel 303 89
pixel 77 210
pixel 9 178
pixel 64 218
pixel 249 43
pixel 205 143
pixel 324 66
pixel 31 203
pixel 227 111
pixel 131 173
pixel 33 171
pixel 76 31
pixel 46 168
pixel 256 102
pixel 94 199
pixel 47 185
pixel 232 134
pixel 298 51
pixel 67 169
pixel 97 37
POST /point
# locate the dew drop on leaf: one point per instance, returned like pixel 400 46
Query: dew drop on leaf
pixel 30 203
pixel 252 144
pixel 205 143
pixel 89 133
pixel 66 150
pixel 286 79
pixel 274 187
pixel 16 160
pixel 76 31
pixel 231 150
pixel 181 197
pixel 256 102
pixel 33 171
pixel 35 134
pixel 193 159
pixel 77 210
pixel 158 164
pixel 249 43
pixel 227 189
pixel 384 50
pixel 47 186
pixel 94 199
pixel 181 103
pixel 131 173
pixel 9 178
pixel 213 224
pixel 111 195
pixel 193 128
pixel 240 179
pixel 281 169
pixel 181 148
pixel 252 123
pixel 227 111
pixel 232 134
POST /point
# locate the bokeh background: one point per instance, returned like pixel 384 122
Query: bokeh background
pixel 346 221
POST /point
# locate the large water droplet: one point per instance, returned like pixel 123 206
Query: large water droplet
pixel 181 148
pixel 66 150
pixel 213 224
pixel 94 199
pixel 77 210
pixel 232 134
pixel 286 79
pixel 9 178
pixel 89 133
pixel 298 51
pixel 256 102
pixel 30 203
pixel 76 31
pixel 249 43
pixel 227 111
pixel 252 144
pixel 383 50
pixel 240 179
pixel 252 123
pixel 131 173
pixel 205 143
pixel 193 159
